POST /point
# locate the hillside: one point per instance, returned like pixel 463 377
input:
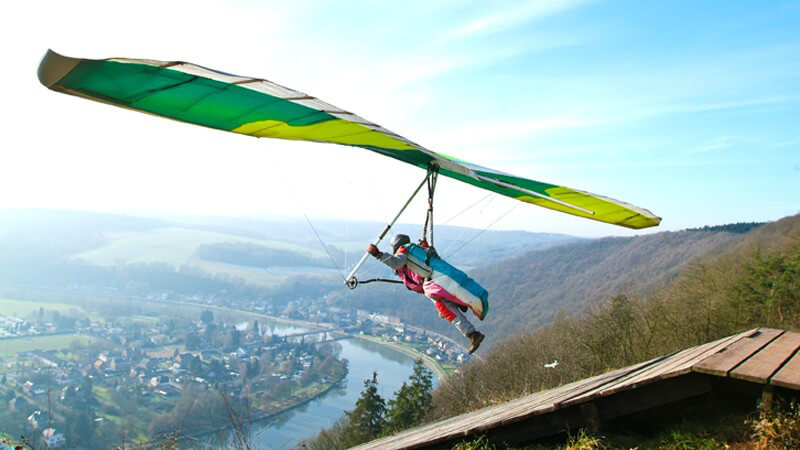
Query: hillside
pixel 531 276
pixel 740 284
pixel 755 282
pixel 528 291
pixel 204 255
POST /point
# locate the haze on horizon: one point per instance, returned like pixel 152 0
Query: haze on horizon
pixel 687 110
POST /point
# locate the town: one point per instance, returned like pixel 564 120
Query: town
pixel 138 377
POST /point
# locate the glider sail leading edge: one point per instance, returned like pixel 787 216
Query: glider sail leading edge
pixel 260 108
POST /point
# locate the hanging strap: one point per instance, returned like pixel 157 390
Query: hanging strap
pixel 433 176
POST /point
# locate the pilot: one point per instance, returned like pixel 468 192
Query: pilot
pixel 415 278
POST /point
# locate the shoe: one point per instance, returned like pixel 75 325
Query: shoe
pixel 475 339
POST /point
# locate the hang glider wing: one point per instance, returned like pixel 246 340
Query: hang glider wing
pixel 261 108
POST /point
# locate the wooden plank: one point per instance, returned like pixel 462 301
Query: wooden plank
pixel 653 395
pixel 573 390
pixel 491 416
pixel 720 364
pixel 539 402
pixel 487 417
pixel 614 378
pixel 672 365
pixel 454 426
pixel 723 343
pixel 549 402
pixel 761 366
pixel 718 357
pixel 789 375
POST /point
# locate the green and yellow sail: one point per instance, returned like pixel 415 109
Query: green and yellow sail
pixel 261 108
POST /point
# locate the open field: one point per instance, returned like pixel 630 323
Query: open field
pixel 10 347
pixel 166 351
pixel 21 308
pixel 252 275
pixel 174 246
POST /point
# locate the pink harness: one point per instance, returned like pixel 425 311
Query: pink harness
pixel 413 281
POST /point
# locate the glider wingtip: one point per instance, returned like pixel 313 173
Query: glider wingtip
pixel 640 222
pixel 54 67
pixel 653 222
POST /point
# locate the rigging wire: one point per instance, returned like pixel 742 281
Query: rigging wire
pixel 323 245
pixel 464 229
pixel 319 238
pixel 346 239
pixel 481 232
pixel 466 209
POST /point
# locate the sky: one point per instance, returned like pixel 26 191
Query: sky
pixel 689 109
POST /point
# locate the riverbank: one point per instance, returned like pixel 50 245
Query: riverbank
pixel 438 371
pixel 287 321
pixel 260 417
pixel 432 364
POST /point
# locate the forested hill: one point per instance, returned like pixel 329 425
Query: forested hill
pixel 528 291
pixel 275 260
pixel 755 282
pixel 738 281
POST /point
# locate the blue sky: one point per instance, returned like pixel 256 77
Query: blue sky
pixel 689 109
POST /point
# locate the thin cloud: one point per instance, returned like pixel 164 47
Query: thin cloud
pixel 478 134
pixel 784 144
pixel 719 143
pixel 717 106
pixel 509 18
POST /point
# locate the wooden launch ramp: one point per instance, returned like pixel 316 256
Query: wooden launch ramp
pixel 753 363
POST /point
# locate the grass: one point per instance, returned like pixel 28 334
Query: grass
pixel 166 351
pixel 249 274
pixel 141 318
pixel 10 347
pixel 102 393
pixel 699 430
pixel 21 308
pixel 174 246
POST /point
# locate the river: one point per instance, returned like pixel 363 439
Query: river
pixel 286 430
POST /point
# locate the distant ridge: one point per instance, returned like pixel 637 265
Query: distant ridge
pixel 530 290
pixel 48 247
pixel 738 227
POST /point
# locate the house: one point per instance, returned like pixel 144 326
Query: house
pixel 39 419
pixel 53 438
pixel 117 365
pixel 19 403
pixel 158 381
pixel 147 363
pixel 207 355
pixel 47 359
pixel 185 359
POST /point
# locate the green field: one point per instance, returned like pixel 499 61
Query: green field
pixel 21 308
pixel 174 246
pixel 249 274
pixel 10 347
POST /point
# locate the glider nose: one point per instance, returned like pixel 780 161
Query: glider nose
pixel 54 67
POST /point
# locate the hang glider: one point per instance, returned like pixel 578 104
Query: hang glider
pixel 261 108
